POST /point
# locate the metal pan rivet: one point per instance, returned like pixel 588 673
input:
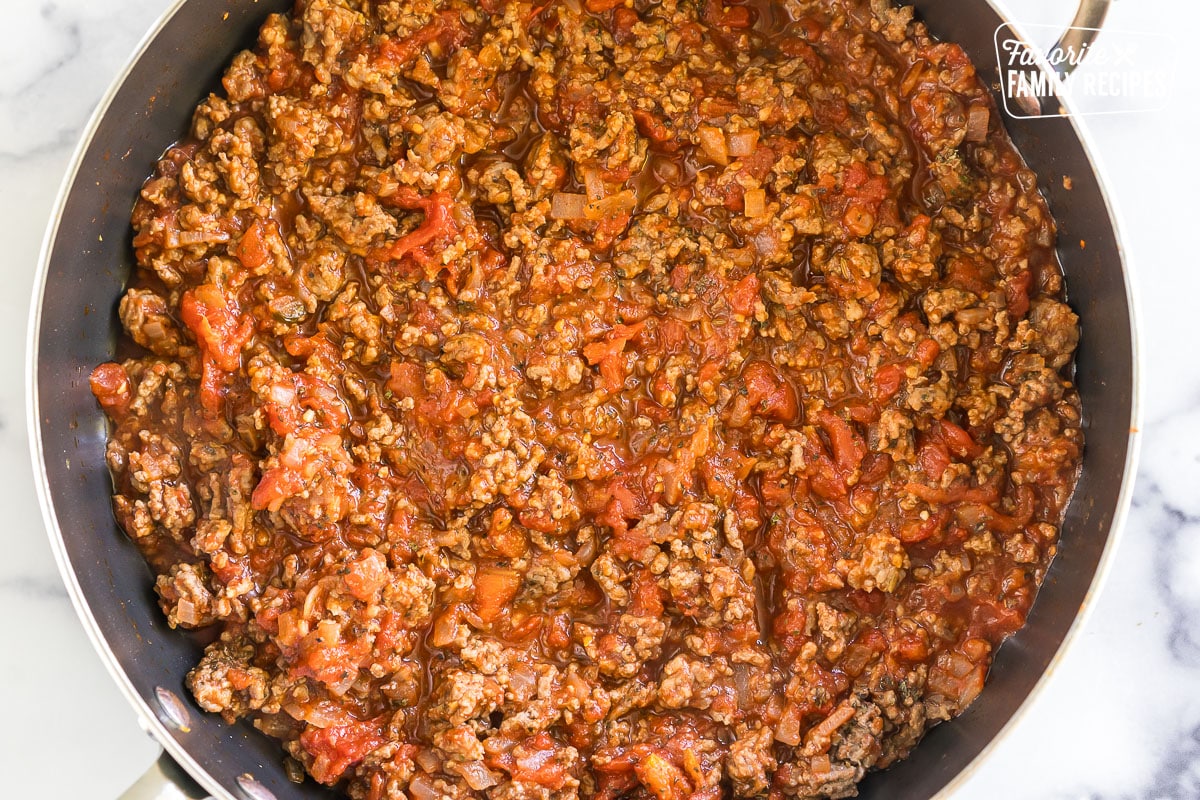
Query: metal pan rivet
pixel 252 789
pixel 172 711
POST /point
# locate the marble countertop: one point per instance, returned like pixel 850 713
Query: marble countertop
pixel 1120 717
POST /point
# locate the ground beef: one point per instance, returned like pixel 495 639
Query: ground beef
pixel 645 399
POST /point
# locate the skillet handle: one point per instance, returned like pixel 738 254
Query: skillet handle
pixel 164 780
pixel 1082 32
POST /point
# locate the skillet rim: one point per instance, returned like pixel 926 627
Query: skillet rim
pixel 160 731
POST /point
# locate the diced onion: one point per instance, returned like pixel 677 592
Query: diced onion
pixel 477 776
pixel 788 729
pixel 523 680
pixel 427 760
pixel 292 628
pixel 828 726
pixel 742 143
pixel 329 632
pixel 741 681
pixel 712 141
pixel 756 202
pixel 567 205
pixel 315 595
pixel 586 553
pixel 340 688
pixel 612 206
pixel 323 714
pixel 914 76
pixel 976 649
pixel 421 788
pixel 185 612
pixel 445 629
pixel 593 184
pixel 665 170
pixel 977 123
pixel 154 330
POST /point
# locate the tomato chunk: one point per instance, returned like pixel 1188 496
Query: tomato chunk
pixel 336 749
pixel 110 385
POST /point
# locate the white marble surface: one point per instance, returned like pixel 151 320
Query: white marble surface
pixel 1120 719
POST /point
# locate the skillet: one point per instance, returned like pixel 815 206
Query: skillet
pixel 87 258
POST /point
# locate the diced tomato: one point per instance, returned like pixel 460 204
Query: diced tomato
pixel 495 587
pixel 647 595
pixel 557 634
pixel 1016 291
pixel 934 458
pixel 367 574
pixel 672 334
pixel 662 779
pixel 206 311
pixel 795 47
pixel 623 21
pixel 217 323
pixel 718 14
pixel 407 380
pixel 986 494
pixel 823 689
pixel 926 352
pixel 769 393
pixel 540 520
pixel 679 276
pixel 626 542
pixel 446 29
pixel 848 446
pixel 957 440
pixel 912 647
pixel 289 398
pixel 252 250
pixel 887 381
pixel 858 182
pixel 598 352
pixel 738 17
pixel 110 385
pixel 964 273
pixel 336 749
pixel 777 490
pixel 608 354
pixel 438 224
pixel 503 538
pixel 304 456
pixel 825 482
pixel 538 759
pixel 613 371
pixel 917 231
pixel 212 385
pixel 275 486
pixel 744 295
pixel 648 124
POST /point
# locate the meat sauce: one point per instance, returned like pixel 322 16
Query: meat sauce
pixel 607 399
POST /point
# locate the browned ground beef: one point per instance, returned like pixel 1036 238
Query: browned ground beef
pixel 617 399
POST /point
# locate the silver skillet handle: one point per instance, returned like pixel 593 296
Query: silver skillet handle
pixel 1083 31
pixel 164 780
